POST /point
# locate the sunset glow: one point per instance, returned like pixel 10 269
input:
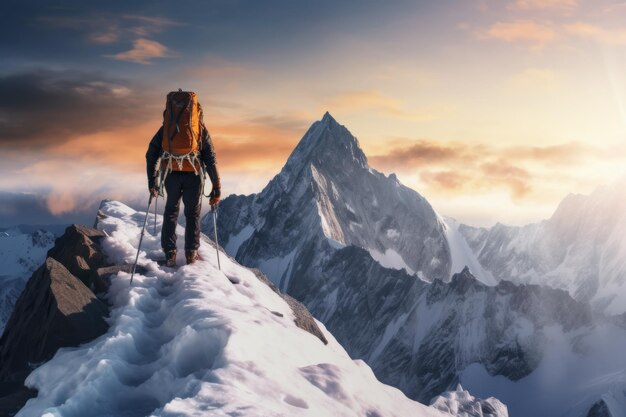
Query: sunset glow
pixel 494 111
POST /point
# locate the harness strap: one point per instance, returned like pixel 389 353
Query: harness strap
pixel 191 157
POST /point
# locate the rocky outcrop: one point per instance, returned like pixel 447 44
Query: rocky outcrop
pixel 56 309
pixel 77 249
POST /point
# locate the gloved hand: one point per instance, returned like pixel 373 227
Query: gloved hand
pixel 214 197
pixel 154 192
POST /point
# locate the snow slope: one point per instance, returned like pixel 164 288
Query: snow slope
pixel 20 255
pixel 462 255
pixel 187 342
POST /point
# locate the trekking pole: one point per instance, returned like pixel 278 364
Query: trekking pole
pixel 143 229
pixel 156 204
pixel 217 245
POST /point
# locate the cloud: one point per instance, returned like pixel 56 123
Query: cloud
pixel 258 142
pixel 504 173
pixel 597 33
pixel 74 176
pixel 107 28
pixel 452 167
pixel 61 202
pixel 31 208
pixel 426 152
pixel 448 180
pixel 529 32
pixel 143 51
pixel 43 108
pixel 242 145
pixel 111 28
pixel 354 101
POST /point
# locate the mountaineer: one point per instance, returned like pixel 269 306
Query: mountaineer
pixel 178 157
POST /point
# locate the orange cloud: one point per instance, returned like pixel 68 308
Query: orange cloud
pixel 502 173
pixel 449 167
pixel 425 152
pixel 240 145
pixel 143 51
pixel 526 31
pixel 61 202
pixel 445 180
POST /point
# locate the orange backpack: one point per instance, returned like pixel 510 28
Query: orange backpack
pixel 182 131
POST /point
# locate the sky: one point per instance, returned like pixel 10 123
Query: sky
pixel 493 110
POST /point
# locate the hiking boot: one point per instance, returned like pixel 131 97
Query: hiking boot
pixel 192 256
pixel 170 259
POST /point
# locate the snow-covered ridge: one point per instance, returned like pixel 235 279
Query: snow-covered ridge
pixel 189 342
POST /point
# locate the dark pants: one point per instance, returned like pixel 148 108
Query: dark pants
pixel 188 186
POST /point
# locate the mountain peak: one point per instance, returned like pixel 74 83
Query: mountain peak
pixel 327 142
pixel 328 118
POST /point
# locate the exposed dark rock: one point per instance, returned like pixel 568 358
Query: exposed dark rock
pixel 41 238
pixel 599 409
pixel 12 403
pixel 99 215
pixel 79 252
pixel 304 319
pixel 55 310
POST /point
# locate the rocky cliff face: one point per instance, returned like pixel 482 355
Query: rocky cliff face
pixel 55 310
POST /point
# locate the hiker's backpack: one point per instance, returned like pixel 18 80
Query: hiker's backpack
pixel 182 131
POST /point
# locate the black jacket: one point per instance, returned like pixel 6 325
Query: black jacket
pixel 207 158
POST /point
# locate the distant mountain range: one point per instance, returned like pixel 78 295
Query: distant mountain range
pixel 22 251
